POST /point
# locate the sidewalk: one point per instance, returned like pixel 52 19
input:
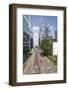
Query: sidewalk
pixel 29 66
pixel 37 64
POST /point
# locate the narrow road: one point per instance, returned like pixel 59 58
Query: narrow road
pixel 38 64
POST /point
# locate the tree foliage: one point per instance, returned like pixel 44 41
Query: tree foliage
pixel 46 45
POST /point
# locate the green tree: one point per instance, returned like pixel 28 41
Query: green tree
pixel 46 45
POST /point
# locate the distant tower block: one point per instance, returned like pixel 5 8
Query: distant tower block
pixel 35 36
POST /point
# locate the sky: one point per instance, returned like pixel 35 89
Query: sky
pixel 36 21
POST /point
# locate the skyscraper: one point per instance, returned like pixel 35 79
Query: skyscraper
pixel 27 39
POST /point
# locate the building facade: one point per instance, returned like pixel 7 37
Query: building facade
pixel 44 32
pixel 27 37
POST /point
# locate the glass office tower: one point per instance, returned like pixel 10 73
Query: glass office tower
pixel 27 39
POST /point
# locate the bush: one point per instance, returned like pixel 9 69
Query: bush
pixel 53 59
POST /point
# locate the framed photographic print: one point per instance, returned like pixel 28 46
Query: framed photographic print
pixel 37 44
